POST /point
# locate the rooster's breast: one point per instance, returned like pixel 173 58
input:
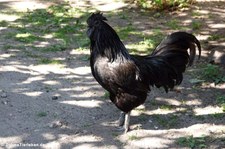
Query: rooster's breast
pixel 111 75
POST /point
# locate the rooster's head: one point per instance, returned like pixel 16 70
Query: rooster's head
pixel 94 22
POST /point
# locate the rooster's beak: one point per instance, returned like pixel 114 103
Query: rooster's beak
pixel 89 31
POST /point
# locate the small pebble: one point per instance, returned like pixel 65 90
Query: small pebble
pixel 58 124
pixel 5 102
pixel 150 121
pixel 55 97
pixel 84 131
pixel 4 95
pixel 53 125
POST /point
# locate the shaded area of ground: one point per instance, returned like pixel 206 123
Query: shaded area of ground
pixel 60 105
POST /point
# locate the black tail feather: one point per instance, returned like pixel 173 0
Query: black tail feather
pixel 169 60
pixel 179 41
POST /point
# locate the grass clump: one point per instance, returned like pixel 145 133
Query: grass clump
pixel 61 22
pixel 196 25
pixel 133 137
pixel 208 73
pixel 215 37
pixel 173 24
pixel 7 47
pixel 27 37
pixel 196 14
pixel 192 142
pixel 220 99
pixel 4 23
pixel 106 95
pixel 42 114
pixel 213 73
pixel 148 44
pixel 218 115
pixel 49 61
pixel 167 107
pixel 85 58
pixel 52 48
pixel 163 4
pixel 167 122
pixel 124 32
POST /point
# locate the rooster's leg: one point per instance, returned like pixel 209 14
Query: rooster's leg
pixel 121 119
pixel 126 122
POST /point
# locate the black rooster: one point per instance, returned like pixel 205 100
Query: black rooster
pixel 128 77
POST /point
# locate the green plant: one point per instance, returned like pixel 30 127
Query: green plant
pixel 87 125
pixel 49 61
pixel 52 48
pixel 48 88
pixel 42 114
pixel 56 23
pixel 16 46
pixel 163 4
pixel 30 54
pixel 166 107
pixel 140 110
pixel 106 95
pixel 167 122
pixel 115 134
pixel 27 37
pixel 4 23
pixel 223 107
pixel 215 37
pixel 218 115
pixel 196 25
pixel 85 58
pixel 142 118
pixel 220 99
pixel 196 13
pixel 200 117
pixel 133 137
pixel 124 32
pixel 173 24
pixel 213 73
pixel 192 142
pixel 148 43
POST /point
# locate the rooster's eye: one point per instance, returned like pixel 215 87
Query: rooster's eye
pixel 97 23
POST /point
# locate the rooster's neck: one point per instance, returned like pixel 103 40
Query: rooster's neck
pixel 112 48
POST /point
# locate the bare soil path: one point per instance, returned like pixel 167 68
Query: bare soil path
pixel 57 104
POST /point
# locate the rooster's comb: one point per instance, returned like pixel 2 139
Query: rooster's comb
pixel 96 17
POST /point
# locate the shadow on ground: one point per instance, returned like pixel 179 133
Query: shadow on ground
pixel 60 105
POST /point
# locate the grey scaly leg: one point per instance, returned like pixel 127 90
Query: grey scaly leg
pixel 121 119
pixel 127 122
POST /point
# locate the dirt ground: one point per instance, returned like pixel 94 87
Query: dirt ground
pixel 62 106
